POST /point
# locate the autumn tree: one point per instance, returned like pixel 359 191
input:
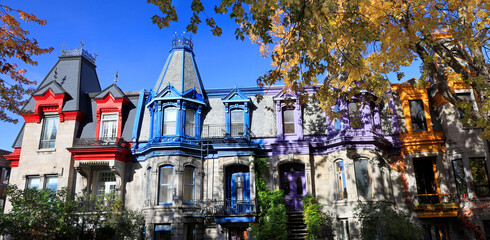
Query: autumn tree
pixel 347 46
pixel 15 44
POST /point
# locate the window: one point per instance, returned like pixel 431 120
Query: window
pixel 459 177
pixel 480 177
pixel 33 182
pixel 425 179
pixel 417 115
pixel 363 178
pixel 237 123
pixel 106 183
pixel 5 175
pixel 108 126
pixel 354 115
pixel 239 187
pixel 288 121
pixel 190 231
pixel 170 121
pixel 343 229
pixel 341 180
pixel 51 182
pixel 336 120
pixel 189 184
pixel 163 232
pixel 148 185
pixel 166 182
pixel 486 227
pixel 48 135
pixel 190 122
pixel 465 96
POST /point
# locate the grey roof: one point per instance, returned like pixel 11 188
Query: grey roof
pixel 53 85
pixel 113 89
pixel 180 71
pixel 19 138
pixel 74 75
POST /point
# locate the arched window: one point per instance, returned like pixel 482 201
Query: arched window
pixel 170 121
pixel 341 180
pixel 190 122
pixel 166 185
pixel 237 122
pixel 363 178
pixel 189 184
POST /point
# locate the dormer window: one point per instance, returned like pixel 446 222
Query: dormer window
pixel 170 121
pixel 190 122
pixel 288 121
pixel 237 123
pixel 108 127
pixel 417 114
pixel 48 135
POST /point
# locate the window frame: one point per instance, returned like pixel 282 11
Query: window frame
pixel 340 180
pixel 412 118
pixel 114 128
pixel 370 184
pixel 29 181
pixel 460 182
pixel 190 127
pixel 44 134
pixel 160 185
pixel 355 118
pixel 46 182
pixel 292 123
pixel 166 123
pixel 192 185
pixel 471 159
pixel 235 131
pixel 98 183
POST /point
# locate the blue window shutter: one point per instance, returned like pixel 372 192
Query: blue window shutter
pixel 247 186
pixel 233 192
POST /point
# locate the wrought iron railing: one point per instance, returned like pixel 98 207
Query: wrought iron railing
pixel 228 207
pixel 104 141
pixel 226 131
pixel 436 199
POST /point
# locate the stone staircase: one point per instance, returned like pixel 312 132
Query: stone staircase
pixel 296 226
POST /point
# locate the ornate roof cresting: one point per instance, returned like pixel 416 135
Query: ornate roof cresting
pixel 181 41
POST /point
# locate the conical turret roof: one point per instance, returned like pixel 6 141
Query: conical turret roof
pixel 180 70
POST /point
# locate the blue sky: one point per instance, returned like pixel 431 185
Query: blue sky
pixel 126 41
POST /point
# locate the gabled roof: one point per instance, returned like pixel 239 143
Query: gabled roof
pixel 235 95
pixel 180 71
pixel 55 87
pixel 113 89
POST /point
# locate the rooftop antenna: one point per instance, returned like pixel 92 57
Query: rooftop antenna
pixel 81 44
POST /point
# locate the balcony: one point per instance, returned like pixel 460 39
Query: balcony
pixel 107 142
pixel 220 208
pixel 436 205
pixel 215 131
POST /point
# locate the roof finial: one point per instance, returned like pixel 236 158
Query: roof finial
pixel 63 47
pixel 81 44
pixel 117 75
pixel 95 56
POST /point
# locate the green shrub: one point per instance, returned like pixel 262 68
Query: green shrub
pixel 318 224
pixel 381 221
pixel 272 217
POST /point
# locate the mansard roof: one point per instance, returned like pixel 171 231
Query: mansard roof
pixel 180 69
pixel 74 74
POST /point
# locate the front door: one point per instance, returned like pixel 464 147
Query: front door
pixel 294 189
